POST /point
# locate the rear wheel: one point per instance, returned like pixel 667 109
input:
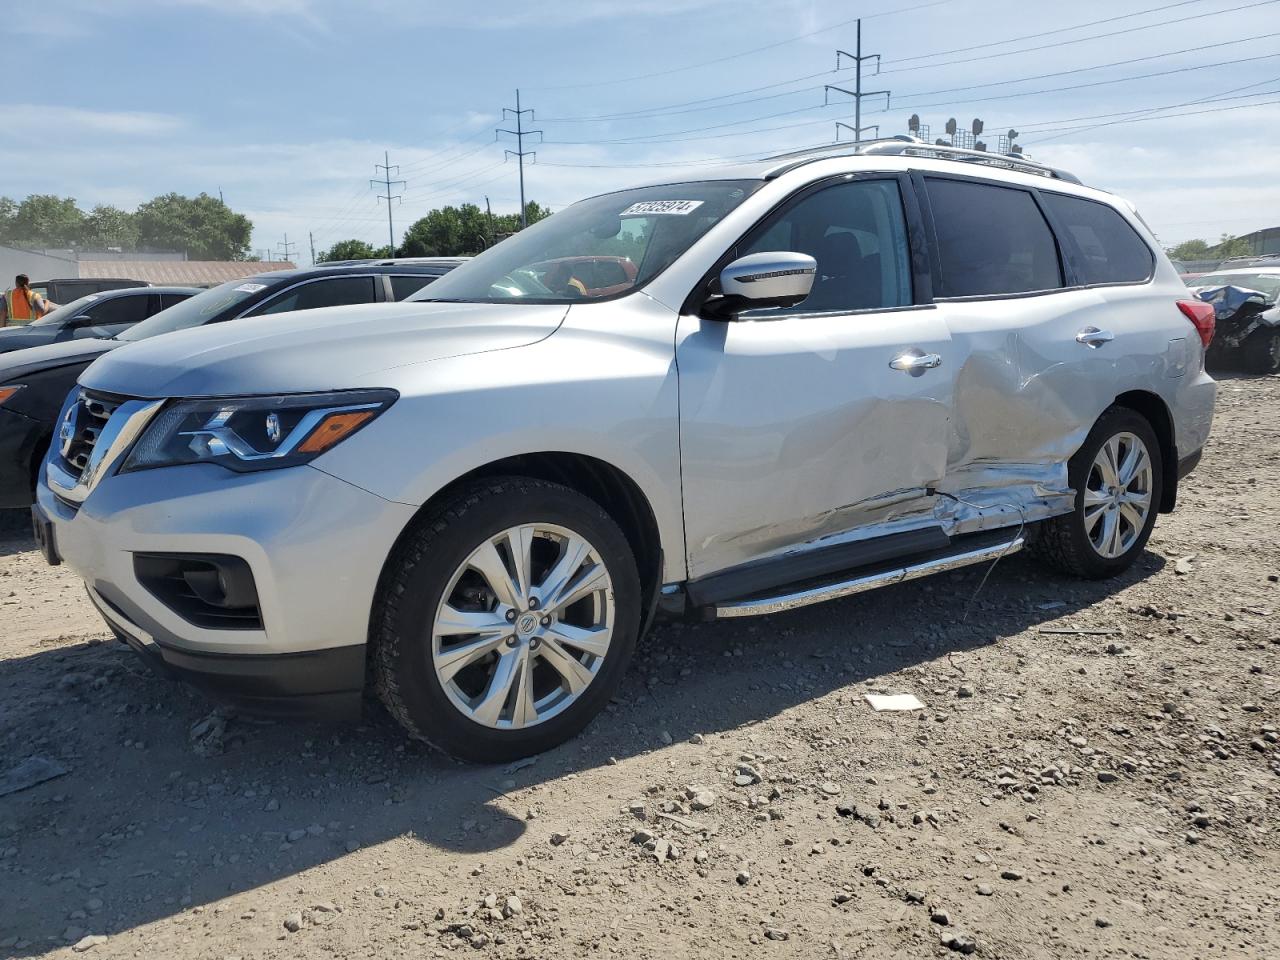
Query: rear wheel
pixel 1262 350
pixel 506 620
pixel 1117 475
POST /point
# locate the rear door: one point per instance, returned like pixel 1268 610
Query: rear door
pixel 1033 382
pixel 795 424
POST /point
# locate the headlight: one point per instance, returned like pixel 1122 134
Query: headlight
pixel 255 433
pixel 7 392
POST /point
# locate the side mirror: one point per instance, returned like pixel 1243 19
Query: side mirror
pixel 761 281
pixel 84 320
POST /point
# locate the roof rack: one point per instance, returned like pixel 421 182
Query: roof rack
pixel 912 147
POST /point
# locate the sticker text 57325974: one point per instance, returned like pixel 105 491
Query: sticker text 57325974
pixel 649 208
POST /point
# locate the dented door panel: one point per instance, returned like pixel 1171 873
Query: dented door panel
pixel 797 429
pixel 1030 391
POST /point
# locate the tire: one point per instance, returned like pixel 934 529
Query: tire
pixel 447 555
pixel 1261 351
pixel 1071 542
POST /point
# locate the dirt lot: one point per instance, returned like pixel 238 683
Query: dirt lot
pixel 1064 794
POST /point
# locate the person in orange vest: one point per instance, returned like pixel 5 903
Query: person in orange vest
pixel 21 304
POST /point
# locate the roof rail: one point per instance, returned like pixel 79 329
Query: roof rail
pixel 910 146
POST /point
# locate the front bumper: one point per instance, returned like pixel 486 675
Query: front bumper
pixel 315 545
pixel 21 440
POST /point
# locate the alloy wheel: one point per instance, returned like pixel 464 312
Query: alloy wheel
pixel 524 626
pixel 1118 495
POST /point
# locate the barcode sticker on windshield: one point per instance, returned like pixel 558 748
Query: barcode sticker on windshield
pixel 250 287
pixel 649 208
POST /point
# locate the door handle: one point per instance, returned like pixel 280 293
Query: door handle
pixel 915 362
pixel 1093 337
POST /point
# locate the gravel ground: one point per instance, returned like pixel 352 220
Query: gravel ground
pixel 1096 773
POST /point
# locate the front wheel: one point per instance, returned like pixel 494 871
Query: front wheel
pixel 506 620
pixel 1117 475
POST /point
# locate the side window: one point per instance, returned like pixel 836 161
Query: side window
pixel 120 310
pixel 991 240
pixel 167 300
pixel 401 287
pixel 330 292
pixel 857 233
pixel 1110 250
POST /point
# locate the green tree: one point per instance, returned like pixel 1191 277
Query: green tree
pixel 203 226
pixel 348 250
pixel 8 210
pixel 1190 250
pixel 110 227
pixel 462 231
pixel 43 220
pixel 1229 246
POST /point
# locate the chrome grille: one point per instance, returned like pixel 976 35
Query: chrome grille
pixel 81 427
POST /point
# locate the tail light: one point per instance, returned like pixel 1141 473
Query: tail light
pixel 1201 316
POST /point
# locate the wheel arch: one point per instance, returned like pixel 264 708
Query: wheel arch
pixel 609 486
pixel 1156 412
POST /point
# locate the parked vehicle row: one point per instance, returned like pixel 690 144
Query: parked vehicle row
pixel 782 383
pixel 34 382
pixel 93 315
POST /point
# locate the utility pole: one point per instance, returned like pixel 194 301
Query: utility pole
pixel 857 92
pixel 220 200
pixel 312 237
pixel 488 211
pixel 387 184
pixel 520 152
pixel 285 254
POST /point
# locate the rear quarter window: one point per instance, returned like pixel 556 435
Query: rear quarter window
pixel 1109 249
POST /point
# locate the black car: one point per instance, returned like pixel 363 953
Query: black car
pixel 106 314
pixel 72 288
pixel 35 382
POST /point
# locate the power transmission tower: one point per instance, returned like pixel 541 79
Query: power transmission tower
pixel 520 152
pixel 285 254
pixel 387 184
pixel 857 92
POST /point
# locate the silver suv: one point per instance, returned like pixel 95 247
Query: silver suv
pixel 782 383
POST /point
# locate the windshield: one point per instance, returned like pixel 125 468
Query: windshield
pixel 196 310
pixel 1267 284
pixel 64 312
pixel 596 248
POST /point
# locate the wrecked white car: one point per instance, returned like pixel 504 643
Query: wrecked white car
pixel 1246 303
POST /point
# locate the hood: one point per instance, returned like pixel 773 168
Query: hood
pixel 21 363
pixel 315 350
pixel 17 338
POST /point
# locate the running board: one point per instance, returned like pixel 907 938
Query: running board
pixel 779 603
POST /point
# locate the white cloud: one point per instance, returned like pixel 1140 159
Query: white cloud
pixel 50 123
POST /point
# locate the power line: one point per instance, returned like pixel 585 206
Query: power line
pixel 675 136
pixel 710 103
pixel 745 53
pixel 285 254
pixel 387 183
pixel 857 92
pixel 519 152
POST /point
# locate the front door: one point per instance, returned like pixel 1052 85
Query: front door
pixel 824 418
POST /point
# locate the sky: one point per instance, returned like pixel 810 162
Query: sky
pixel 287 105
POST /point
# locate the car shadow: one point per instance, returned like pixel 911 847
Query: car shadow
pixel 145 827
